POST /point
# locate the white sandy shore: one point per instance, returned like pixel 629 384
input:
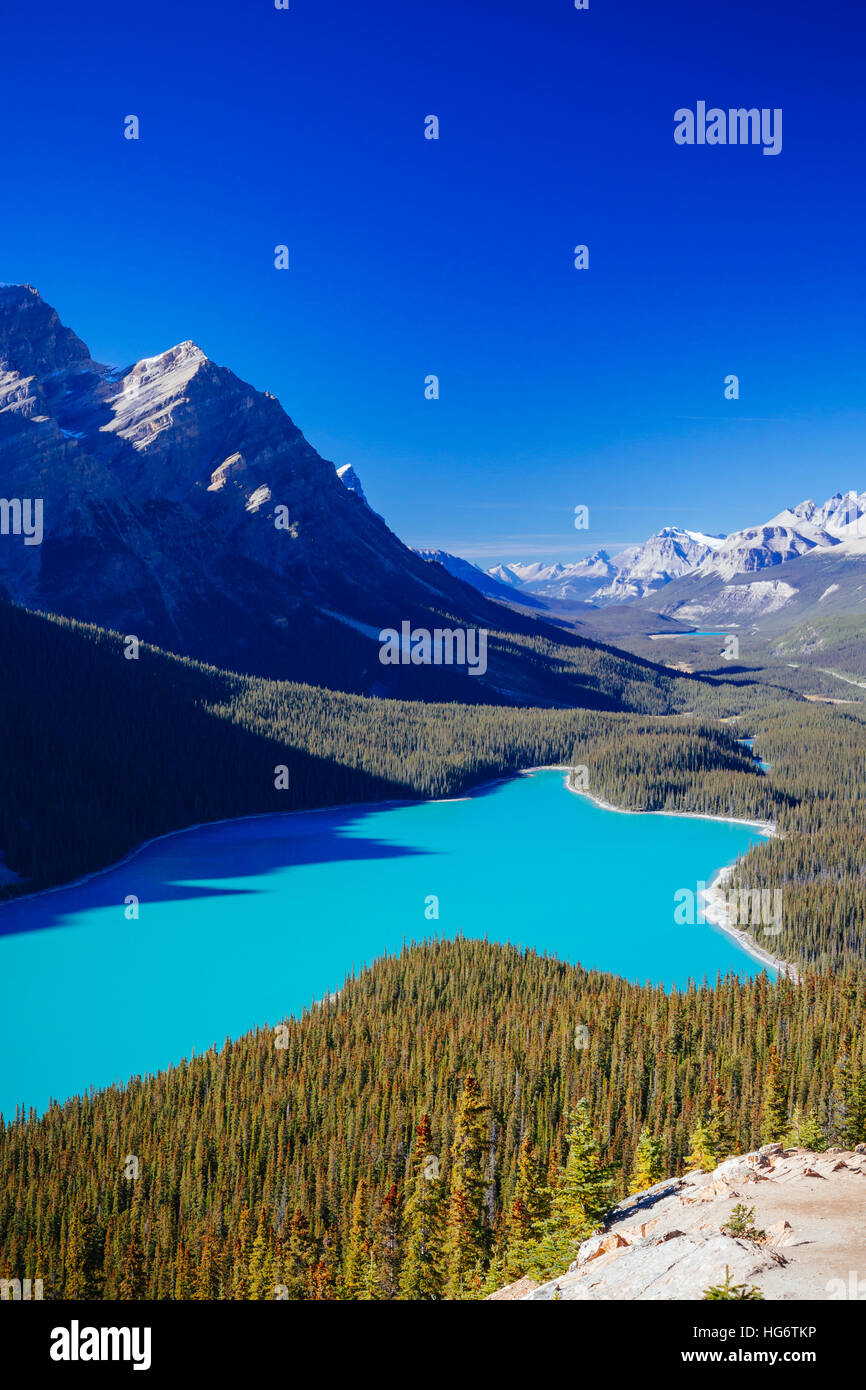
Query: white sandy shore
pixel 715 905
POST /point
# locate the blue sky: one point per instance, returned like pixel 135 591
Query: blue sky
pixel 454 257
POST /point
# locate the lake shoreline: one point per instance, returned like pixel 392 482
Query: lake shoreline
pixel 713 894
pixel 715 907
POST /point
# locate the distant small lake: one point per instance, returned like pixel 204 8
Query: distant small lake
pixel 245 922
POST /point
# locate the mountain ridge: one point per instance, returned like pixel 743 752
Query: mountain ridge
pixel 184 506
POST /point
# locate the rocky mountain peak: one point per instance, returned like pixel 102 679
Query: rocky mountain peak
pixel 33 341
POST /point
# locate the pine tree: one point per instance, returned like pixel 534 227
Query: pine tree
pixel 423 1271
pixel 719 1128
pixel 208 1283
pixel 357 1258
pixel 648 1163
pixel 132 1284
pixel 580 1195
pixel 584 1192
pixel 322 1282
pixel 241 1256
pixel 774 1110
pixel 297 1259
pixel 466 1231
pixel 261 1282
pixel 847 1104
pixel 387 1245
pixel 805 1132
pixel 530 1211
pixel 530 1207
pixel 702 1156
pixel 77 1283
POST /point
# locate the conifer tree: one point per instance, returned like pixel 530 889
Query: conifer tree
pixel 805 1132
pixel 208 1282
pixel 774 1110
pixel 648 1163
pixel 702 1156
pixel 387 1245
pixel 580 1194
pixel 847 1103
pixel 527 1219
pixel 261 1280
pixel 356 1278
pixel 466 1231
pixel 132 1283
pixel 530 1207
pixel 77 1284
pixel 719 1128
pixel 243 1243
pixel 297 1260
pixel 584 1190
pixel 423 1272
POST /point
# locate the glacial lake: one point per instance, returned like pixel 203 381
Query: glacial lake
pixel 243 923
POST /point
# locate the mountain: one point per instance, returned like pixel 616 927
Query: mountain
pixel 669 554
pixel 746 552
pixel 634 572
pixel 574 581
pixel 485 583
pixel 349 478
pixel 838 516
pixel 820 582
pixel 184 507
pixel 692 576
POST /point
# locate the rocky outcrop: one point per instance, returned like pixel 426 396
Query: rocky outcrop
pixel 669 1242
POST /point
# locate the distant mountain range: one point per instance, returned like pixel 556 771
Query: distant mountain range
pixel 184 507
pixel 692 576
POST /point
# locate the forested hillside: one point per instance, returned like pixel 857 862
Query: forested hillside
pixel 453 1117
pixel 104 753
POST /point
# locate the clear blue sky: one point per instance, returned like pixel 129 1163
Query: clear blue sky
pixel 454 257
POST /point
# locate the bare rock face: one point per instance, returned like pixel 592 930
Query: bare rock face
pixel 184 506
pixel 677 1264
pixel 669 1242
pixel 34 342
pixel 512 1292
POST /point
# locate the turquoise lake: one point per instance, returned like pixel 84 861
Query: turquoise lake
pixel 245 922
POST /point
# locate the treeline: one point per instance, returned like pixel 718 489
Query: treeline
pixel 455 1117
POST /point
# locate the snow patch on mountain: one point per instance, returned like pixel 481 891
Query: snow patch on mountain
pixel 349 478
pixel 753 600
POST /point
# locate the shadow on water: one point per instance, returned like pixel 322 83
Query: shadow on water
pixel 198 862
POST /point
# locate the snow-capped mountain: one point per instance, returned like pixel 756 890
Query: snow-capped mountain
pixel 744 552
pixel 572 581
pixel 472 574
pixel 349 478
pixel 600 578
pixel 675 555
pixel 669 554
pixel 838 516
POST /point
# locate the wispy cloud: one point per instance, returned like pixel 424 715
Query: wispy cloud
pixel 522 547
